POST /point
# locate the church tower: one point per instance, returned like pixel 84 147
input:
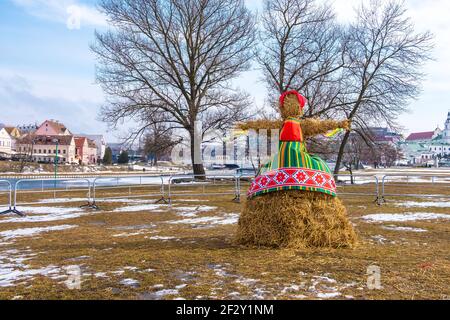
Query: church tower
pixel 446 131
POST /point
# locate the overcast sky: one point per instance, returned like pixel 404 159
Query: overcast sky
pixel 48 72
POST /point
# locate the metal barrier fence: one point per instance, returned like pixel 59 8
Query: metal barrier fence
pixel 347 181
pixel 202 181
pixel 207 185
pixel 54 186
pixel 406 181
pixel 132 183
pixel 10 203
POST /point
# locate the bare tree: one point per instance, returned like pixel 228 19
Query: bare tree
pixel 382 71
pixel 303 50
pixel 177 58
pixel 159 140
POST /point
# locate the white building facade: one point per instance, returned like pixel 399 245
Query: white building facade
pixel 6 142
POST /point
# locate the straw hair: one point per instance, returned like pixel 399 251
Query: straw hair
pixel 295 219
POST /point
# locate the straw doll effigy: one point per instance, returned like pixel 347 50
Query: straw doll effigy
pixel 292 201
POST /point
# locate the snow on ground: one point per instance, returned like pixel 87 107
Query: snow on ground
pixel 143 207
pixel 407 229
pixel 13 268
pixel 30 232
pixel 47 210
pixel 229 218
pixel 127 200
pixel 46 214
pixel 130 282
pixel 198 208
pixel 425 204
pixel 401 217
pixel 191 212
pixel 161 238
pixel 317 286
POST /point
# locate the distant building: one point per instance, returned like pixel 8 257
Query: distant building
pixel 85 150
pixel 446 132
pixel 100 144
pixel 423 137
pixel 382 134
pixel 28 128
pixel 15 134
pixel 40 148
pixel 81 150
pixel 52 128
pixel 428 147
pixel 92 152
pixel 13 131
pixel 6 142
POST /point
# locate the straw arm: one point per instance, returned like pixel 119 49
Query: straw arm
pixel 313 126
pixel 260 124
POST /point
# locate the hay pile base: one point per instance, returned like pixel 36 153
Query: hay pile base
pixel 295 219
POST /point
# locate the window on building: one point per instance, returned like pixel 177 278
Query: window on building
pixel 64 151
pixel 45 151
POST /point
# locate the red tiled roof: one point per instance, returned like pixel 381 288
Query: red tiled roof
pixel 45 140
pixel 79 142
pixel 420 136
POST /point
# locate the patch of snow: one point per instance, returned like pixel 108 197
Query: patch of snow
pixel 231 218
pixel 143 207
pixel 166 292
pixel 100 275
pixel 161 238
pixel 47 210
pixel 130 282
pixel 181 286
pixel 246 281
pixel 197 209
pixel 63 215
pixel 425 204
pixel 29 232
pixel 292 288
pixel 13 268
pixel 401 217
pixel 135 201
pixel 408 229
pixel 379 238
pixel 328 295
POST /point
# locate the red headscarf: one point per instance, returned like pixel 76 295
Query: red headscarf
pixel 301 99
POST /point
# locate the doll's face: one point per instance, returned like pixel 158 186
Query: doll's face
pixel 291 107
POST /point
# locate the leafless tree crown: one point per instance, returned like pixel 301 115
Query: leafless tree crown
pixel 175 57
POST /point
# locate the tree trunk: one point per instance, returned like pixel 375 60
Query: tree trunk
pixel 196 157
pixel 341 153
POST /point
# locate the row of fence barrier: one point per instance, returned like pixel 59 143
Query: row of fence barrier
pixel 165 188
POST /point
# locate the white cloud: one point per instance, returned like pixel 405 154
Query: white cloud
pixel 63 11
pixel 23 103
